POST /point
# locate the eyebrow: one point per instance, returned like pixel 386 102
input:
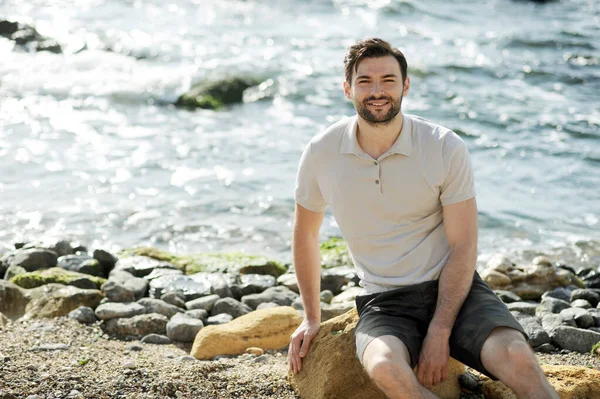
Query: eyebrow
pixel 390 75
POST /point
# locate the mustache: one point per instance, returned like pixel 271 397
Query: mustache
pixel 369 99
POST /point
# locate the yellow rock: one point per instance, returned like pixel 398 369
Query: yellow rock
pixel 265 328
pixel 496 279
pixel 331 370
pixel 255 351
pixel 570 382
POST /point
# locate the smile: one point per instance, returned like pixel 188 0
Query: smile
pixel 377 103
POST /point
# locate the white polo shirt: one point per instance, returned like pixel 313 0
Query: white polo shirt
pixel 389 209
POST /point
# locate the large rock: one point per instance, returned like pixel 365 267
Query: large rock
pixel 231 307
pixel 331 369
pixel 574 339
pixel 581 317
pixel 27 37
pixel 106 259
pixel 61 301
pixel 54 275
pixel 220 282
pixel 183 328
pixel 589 295
pixel 137 284
pixel 13 300
pixel 81 263
pixel 215 95
pixel 153 305
pixel 115 310
pixel 142 266
pixel 256 283
pixel 185 285
pixel 265 328
pixel 138 326
pixel 570 382
pixel 117 292
pixel 335 278
pixel 280 295
pixel 31 259
pixel 534 330
pixel 205 303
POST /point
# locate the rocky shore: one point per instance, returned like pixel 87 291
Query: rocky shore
pixel 78 323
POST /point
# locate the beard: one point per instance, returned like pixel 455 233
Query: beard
pixel 362 109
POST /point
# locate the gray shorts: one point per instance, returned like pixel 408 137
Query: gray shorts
pixel 406 313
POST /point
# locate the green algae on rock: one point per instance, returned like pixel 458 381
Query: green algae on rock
pixel 217 94
pixel 334 252
pixel 52 275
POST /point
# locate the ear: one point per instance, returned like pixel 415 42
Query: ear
pixel 406 86
pixel 347 91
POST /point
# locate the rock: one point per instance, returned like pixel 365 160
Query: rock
pixel 13 300
pixel 230 306
pixel 333 279
pixel 83 314
pixel 106 259
pixel 159 272
pixel 49 347
pixel 255 351
pixel 199 314
pixel 469 382
pixel 116 292
pixel 153 305
pixel 185 285
pixel 221 318
pixel 507 296
pixel 138 326
pixel 266 328
pixel 3 321
pixel 551 305
pixel 206 303
pixel 500 263
pixel 267 305
pixel 175 299
pixel 183 328
pixel 581 303
pixel 589 295
pixel 298 304
pixel 135 347
pixel 335 309
pixel 348 295
pixel 496 279
pixel 580 316
pixel 215 95
pixel 13 271
pixel 326 296
pixel 156 339
pixel 595 313
pixel 113 310
pixel 27 37
pixel 220 282
pixel 142 266
pixel 136 284
pixel 545 348
pixel 290 281
pixel 53 275
pixel 570 382
pixel 534 330
pixel 331 369
pixel 523 307
pixel 81 264
pixel 31 259
pixel 60 302
pixel 279 295
pixel 256 283
pixel 574 339
pixel 84 283
pixel 334 253
pixel 559 293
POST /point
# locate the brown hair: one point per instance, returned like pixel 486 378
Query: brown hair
pixel 371 48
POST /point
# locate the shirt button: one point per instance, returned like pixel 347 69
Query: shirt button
pixel 376 181
pixel 375 163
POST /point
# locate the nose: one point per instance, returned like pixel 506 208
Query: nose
pixel 377 88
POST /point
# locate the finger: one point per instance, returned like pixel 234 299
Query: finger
pixel 435 377
pixel 444 373
pixel 421 372
pixel 305 344
pixel 292 355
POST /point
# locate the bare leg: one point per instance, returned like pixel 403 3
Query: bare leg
pixel 508 356
pixel 387 362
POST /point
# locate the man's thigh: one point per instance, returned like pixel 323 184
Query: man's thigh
pixel 481 313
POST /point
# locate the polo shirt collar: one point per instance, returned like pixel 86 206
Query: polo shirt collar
pixel 402 145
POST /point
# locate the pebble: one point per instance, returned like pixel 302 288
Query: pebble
pixel 34 397
pixel 49 347
pixel 129 365
pixel 32 367
pixel 135 347
pixel 261 359
pixel 186 359
pixel 255 351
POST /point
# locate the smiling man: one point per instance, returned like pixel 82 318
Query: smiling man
pixel 401 190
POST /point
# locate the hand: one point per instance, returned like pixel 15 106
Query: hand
pixel 433 359
pixel 299 343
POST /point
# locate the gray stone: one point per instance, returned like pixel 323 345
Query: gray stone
pixel 13 271
pixel 329 311
pixel 175 299
pixel 267 305
pixel 523 307
pixel 190 288
pixel 13 300
pixel 160 272
pixel 31 259
pixel 153 305
pixel 220 282
pixel 575 339
pixel 595 313
pixel 183 328
pixel 156 339
pixel 83 283
pixel 290 281
pixel 81 264
pixel 199 314
pixel 84 315
pixel 545 348
pixel 536 333
pixel 106 259
pixel 589 295
pixel 335 278
pixel 114 310
pixel 134 347
pixel 206 303
pixel 138 326
pixel 138 285
pixel 256 283
pixel 49 347
pixel 280 295
pixel 507 296
pixel 561 293
pixel 230 306
pixel 580 316
pixel 551 322
pixel 326 296
pixel 117 292
pixel 141 266
pixel 581 303
pixel 221 318
pixel 551 305
pixel 298 304
pixel 347 295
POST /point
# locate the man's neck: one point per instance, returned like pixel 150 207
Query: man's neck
pixel 376 140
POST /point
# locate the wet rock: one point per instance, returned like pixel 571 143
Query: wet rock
pixel 562 293
pixel 551 305
pixel 183 328
pixel 13 271
pixel 106 259
pixel 220 282
pixel 231 307
pixel 581 303
pixel 206 303
pixel 188 287
pixel 81 264
pixel 218 319
pixel 290 281
pixel 13 300
pixel 62 301
pixel 113 310
pixel 256 283
pixel 83 314
pixel 153 305
pixel 83 283
pixel 27 37
pixel 215 95
pixel 138 326
pixel 580 316
pixel 335 278
pixel 54 275
pixel 31 259
pixel 141 266
pixel 156 273
pixel 199 314
pixel 156 339
pixel 280 295
pixel 589 295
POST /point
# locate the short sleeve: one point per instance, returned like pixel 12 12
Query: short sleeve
pixel 308 194
pixel 458 184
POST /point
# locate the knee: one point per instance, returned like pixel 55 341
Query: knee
pixel 519 359
pixel 381 368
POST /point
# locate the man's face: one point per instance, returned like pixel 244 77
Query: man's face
pixel 377 90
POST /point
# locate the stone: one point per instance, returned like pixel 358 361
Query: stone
pixel 534 330
pixel 31 259
pixel 82 263
pixel 331 369
pixel 507 296
pixel 335 309
pixel 49 347
pixel 326 296
pixel 545 348
pixel 523 307
pixel 280 295
pixel 137 284
pixel 575 339
pixel 256 283
pixel 222 318
pixel 53 275
pixel 28 38
pixel 153 305
pixel 581 317
pixel 266 328
pixel 221 283
pixel 190 288
pixel 551 305
pixel 290 281
pixel 160 272
pixel 141 266
pixel 595 313
pixel 134 347
pixel 255 351
pixel 206 303
pixel 61 301
pixel 298 304
pixel 13 271
pixel 334 253
pixel 333 279
pixel 348 295
pixel 3 321
pixel 117 292
pixel 581 303
pixel 106 259
pixel 559 293
pixel 230 306
pixel 84 315
pixel 500 263
pixel 217 94
pixel 496 279
pixel 267 305
pixel 156 339
pixel 589 295
pixel 183 328
pixel 83 283
pixel 137 326
pixel 13 300
pixel 115 310
pixel 199 314
pixel 570 382
pixel 175 299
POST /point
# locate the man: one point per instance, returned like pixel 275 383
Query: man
pixel 401 190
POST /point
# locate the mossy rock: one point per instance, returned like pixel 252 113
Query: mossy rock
pixel 217 94
pixel 230 262
pixel 52 275
pixel 334 253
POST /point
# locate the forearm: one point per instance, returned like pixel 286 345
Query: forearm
pixel 307 264
pixel 454 285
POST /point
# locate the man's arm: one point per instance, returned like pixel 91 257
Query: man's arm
pixel 307 265
pixel 460 226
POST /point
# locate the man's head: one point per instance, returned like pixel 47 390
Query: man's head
pixel 376 80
